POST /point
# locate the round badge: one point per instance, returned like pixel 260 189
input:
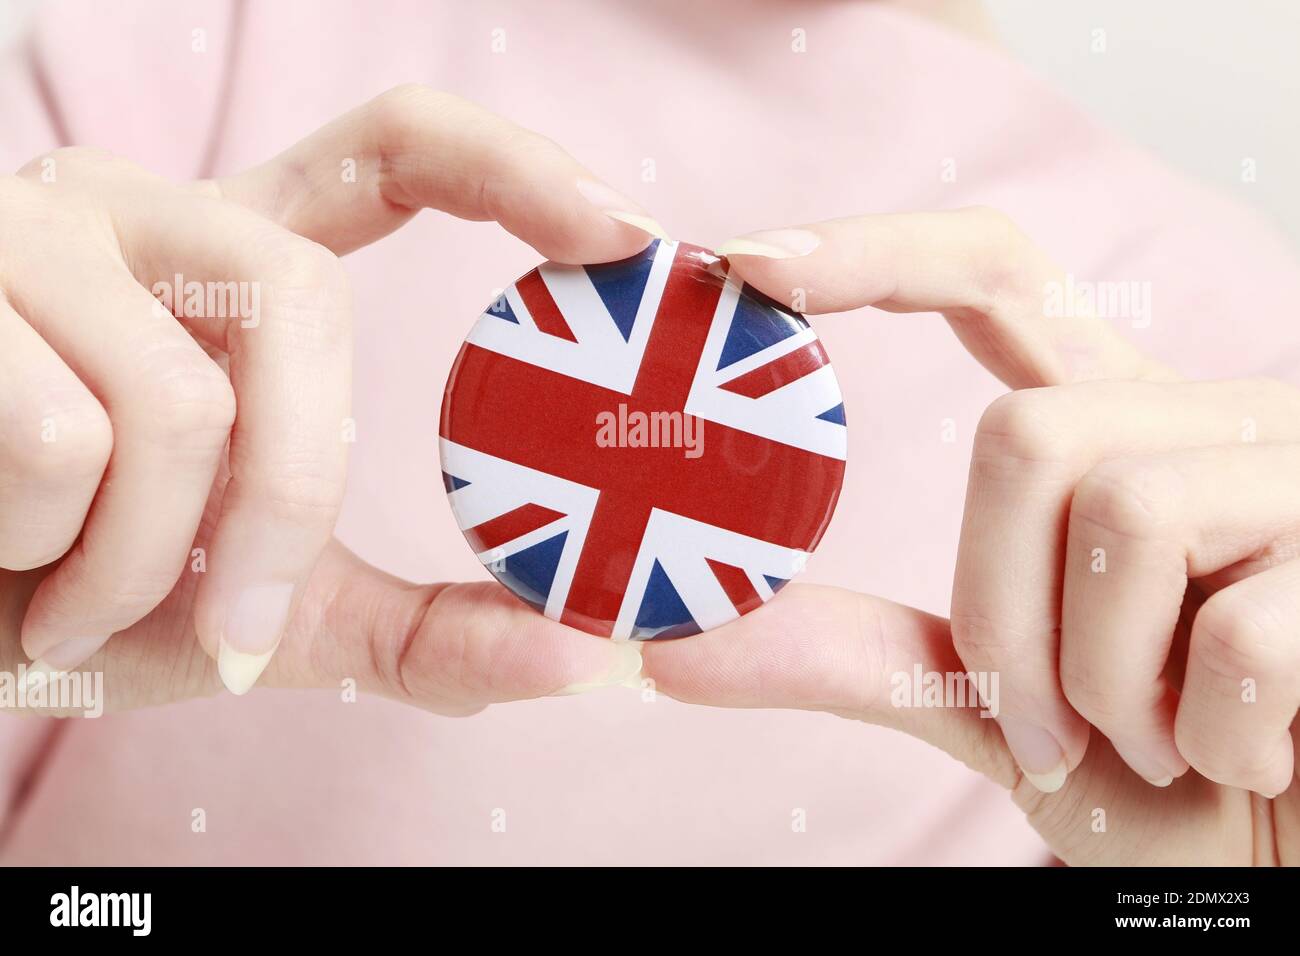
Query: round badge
pixel 642 449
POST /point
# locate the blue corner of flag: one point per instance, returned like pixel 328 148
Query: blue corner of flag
pixel 663 614
pixel 835 414
pixel 757 325
pixel 452 483
pixel 531 572
pixel 775 584
pixel 500 308
pixel 621 285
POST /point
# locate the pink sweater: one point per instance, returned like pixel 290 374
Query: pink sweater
pixel 740 132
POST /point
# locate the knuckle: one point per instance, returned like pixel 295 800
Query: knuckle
pixel 1126 499
pixel 82 160
pixel 1023 428
pixel 999 266
pixel 309 292
pixel 187 402
pixel 459 649
pixel 994 224
pixel 516 149
pixel 296 261
pixel 514 159
pixel 871 678
pixel 37 222
pixel 411 117
pixel 34 534
pixel 980 639
pixel 405 97
pixel 393 646
pixel 1238 634
pixel 302 497
pixel 1093 697
pixel 973 634
pixel 111 594
pixel 405 111
pixel 59 439
pixel 449 649
pixel 991 220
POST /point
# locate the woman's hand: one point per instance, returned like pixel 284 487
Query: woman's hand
pixel 1129 563
pixel 175 370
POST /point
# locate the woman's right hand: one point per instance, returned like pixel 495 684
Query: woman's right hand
pixel 1126 589
pixel 139 422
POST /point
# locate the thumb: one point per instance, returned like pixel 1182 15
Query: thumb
pixel 449 648
pixel 828 649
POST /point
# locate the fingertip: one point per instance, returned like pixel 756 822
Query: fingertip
pixel 625 666
pixel 241 623
pixel 239 670
pixel 1049 782
pixel 596 224
pixel 477 645
pixel 1151 763
pixel 800 268
pixel 1280 772
pixel 1037 751
pixel 46 646
pixel 589 239
pixel 772 244
pixel 640 222
pixel 540 657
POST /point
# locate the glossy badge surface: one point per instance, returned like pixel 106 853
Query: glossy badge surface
pixel 642 449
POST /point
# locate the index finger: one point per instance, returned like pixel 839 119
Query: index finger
pixel 1010 305
pixel 365 174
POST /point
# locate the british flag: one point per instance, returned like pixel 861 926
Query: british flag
pixel 638 542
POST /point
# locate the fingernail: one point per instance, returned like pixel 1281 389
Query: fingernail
pixel 66 655
pixel 38 672
pixel 1149 768
pixel 239 671
pixel 772 244
pixel 644 223
pixel 252 632
pixel 1040 757
pixel 617 206
pixel 625 667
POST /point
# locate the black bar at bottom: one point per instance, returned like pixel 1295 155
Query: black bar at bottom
pixel 661 906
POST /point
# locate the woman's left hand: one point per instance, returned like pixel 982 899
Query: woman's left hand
pixel 1129 563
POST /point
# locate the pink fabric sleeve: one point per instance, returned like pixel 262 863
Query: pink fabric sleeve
pixel 151 89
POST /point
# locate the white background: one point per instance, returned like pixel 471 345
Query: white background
pixel 1204 83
